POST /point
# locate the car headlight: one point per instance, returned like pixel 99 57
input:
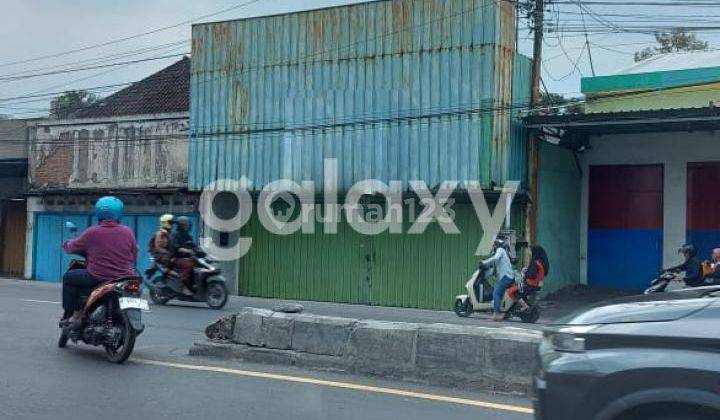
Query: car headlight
pixel 568 339
pixel 567 342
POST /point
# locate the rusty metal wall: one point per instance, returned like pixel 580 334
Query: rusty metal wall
pixel 107 154
pixel 394 89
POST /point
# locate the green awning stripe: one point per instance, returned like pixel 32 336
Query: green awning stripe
pixel 652 80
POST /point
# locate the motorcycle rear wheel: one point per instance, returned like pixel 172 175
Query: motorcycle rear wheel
pixel 530 316
pixel 463 309
pixel 127 342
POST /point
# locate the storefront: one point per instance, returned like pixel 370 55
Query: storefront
pixel 646 187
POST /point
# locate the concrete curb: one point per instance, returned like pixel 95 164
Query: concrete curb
pixel 499 359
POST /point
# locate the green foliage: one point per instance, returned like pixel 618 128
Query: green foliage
pixel 70 102
pixel 677 40
pixel 554 101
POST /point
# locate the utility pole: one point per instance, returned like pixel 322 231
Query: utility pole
pixel 534 146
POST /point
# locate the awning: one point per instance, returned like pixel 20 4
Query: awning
pixel 573 130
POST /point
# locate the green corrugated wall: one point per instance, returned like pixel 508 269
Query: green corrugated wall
pixel 419 271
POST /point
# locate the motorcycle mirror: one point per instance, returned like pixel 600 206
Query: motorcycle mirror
pixel 71 226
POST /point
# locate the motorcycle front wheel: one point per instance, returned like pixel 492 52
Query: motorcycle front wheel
pixel 62 341
pixel 126 343
pixel 157 297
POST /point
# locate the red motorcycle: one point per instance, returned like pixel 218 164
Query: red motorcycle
pixel 111 316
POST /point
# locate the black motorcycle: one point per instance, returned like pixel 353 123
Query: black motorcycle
pixel 207 285
pixel 661 282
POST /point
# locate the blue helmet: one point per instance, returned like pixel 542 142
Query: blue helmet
pixel 109 208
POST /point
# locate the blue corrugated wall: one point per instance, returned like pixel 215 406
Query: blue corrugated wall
pixel 395 90
pixel 50 262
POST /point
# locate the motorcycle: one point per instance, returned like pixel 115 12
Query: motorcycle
pixel 111 315
pixel 479 298
pixel 208 284
pixel 662 281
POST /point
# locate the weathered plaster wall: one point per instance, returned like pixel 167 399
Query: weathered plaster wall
pixel 124 152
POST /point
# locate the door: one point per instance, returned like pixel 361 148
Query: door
pixel 418 271
pixel 703 204
pixel 48 255
pixel 82 221
pixel 301 266
pixel 13 237
pixel 625 225
pixel 50 261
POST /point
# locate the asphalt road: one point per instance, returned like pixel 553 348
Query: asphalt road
pixel 40 381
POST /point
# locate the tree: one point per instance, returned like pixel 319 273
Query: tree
pixel 677 40
pixel 70 102
pixel 557 104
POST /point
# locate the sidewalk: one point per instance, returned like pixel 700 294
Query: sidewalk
pixel 554 306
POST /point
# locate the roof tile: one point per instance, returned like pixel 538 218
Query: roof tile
pixel 167 91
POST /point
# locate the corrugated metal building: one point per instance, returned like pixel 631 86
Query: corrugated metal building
pixel 395 90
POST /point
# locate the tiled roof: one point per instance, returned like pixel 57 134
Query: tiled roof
pixel 167 91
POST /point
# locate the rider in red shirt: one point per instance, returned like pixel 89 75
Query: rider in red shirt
pixel 534 276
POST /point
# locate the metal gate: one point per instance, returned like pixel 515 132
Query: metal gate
pixel 625 225
pixel 703 217
pixel 50 261
pixel 420 271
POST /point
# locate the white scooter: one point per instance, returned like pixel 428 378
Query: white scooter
pixel 479 298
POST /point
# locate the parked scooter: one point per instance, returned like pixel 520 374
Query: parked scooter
pixel 111 315
pixel 208 285
pixel 479 298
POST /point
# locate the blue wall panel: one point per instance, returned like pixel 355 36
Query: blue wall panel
pixel 622 258
pixel 50 261
pixel 82 221
pixel 705 241
pixel 47 258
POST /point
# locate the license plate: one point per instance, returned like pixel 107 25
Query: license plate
pixel 133 303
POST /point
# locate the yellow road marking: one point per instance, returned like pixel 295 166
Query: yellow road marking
pixel 344 385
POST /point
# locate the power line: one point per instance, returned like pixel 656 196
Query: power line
pixel 127 38
pixel 439 118
pixel 299 61
pixel 77 69
pixel 101 59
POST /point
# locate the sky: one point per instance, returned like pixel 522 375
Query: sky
pixel 36 28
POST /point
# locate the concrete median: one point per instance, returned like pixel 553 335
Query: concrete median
pixel 498 359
